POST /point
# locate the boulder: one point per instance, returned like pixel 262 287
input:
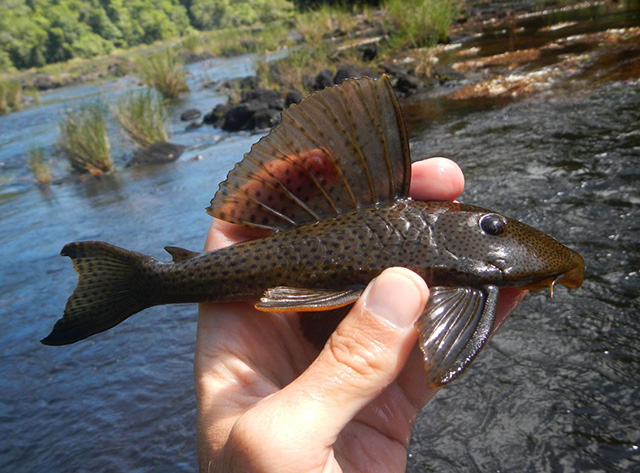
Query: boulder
pixel 293 96
pixel 157 153
pixel 271 98
pixel 216 116
pixel 239 116
pixel 190 114
pixel 264 119
pixel 322 80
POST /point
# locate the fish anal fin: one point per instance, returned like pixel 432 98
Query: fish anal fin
pixel 179 254
pixel 295 299
pixel 455 326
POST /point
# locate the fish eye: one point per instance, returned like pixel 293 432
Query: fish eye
pixel 492 224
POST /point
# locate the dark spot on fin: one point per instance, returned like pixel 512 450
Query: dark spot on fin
pixel 295 299
pixel 180 254
pixel 453 329
pixel 106 293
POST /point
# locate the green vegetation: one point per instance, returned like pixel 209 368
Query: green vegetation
pixel 213 14
pixel 295 70
pixel 164 71
pixel 39 32
pixel 83 138
pixel 39 166
pixel 10 96
pixel 427 23
pixel 324 20
pixel 142 115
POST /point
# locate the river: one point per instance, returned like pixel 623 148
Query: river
pixel 556 390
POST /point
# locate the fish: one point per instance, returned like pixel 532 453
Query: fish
pixel 330 184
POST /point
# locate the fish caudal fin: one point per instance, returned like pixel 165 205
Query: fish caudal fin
pixel 105 293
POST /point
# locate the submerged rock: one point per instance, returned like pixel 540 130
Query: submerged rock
pixel 190 115
pixel 157 153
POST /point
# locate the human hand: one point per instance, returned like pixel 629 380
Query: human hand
pixel 268 401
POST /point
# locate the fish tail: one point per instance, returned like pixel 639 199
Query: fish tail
pixel 106 292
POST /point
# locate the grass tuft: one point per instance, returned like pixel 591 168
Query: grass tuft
pixel 142 115
pixel 296 70
pixel 419 23
pixel 322 22
pixel 164 71
pixel 10 96
pixel 83 139
pixel 39 166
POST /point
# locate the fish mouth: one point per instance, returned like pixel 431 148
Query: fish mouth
pixel 571 278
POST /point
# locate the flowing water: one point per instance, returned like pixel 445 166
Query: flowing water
pixel 557 389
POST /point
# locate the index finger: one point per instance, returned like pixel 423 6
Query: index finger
pixel 436 179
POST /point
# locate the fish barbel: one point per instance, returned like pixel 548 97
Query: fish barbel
pixel 331 184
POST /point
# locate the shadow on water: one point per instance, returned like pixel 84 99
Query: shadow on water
pixel 556 390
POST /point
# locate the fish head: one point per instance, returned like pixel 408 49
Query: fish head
pixel 491 248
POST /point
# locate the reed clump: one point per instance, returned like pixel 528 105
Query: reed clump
pixel 10 96
pixel 419 23
pixel 84 140
pixel 318 23
pixel 142 116
pixel 40 167
pixel 164 71
pixel 296 70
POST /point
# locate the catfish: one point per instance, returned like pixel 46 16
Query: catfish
pixel 330 185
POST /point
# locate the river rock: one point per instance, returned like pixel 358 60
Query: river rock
pixel 190 115
pixel 271 98
pixel 293 96
pixel 407 84
pixel 368 52
pixel 216 116
pixel 322 80
pixel 239 117
pixel 193 125
pixel 157 153
pixel 348 71
pixel 264 119
pixel 258 109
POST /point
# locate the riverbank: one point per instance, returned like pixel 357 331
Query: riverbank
pixel 334 27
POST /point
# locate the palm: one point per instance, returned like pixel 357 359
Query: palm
pixel 251 355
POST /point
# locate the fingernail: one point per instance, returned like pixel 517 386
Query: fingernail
pixel 396 296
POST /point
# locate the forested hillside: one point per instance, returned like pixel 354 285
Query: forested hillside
pixel 38 32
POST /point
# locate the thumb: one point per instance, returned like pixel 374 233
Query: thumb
pixel 364 355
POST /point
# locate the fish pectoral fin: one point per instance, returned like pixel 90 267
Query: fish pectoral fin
pixel 179 254
pixel 297 299
pixel 453 329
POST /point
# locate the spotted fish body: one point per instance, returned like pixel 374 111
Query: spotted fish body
pixel 331 185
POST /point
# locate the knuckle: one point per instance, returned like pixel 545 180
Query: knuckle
pixel 362 354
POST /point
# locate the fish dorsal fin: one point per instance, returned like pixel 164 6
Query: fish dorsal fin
pixel 453 329
pixel 179 254
pixel 342 148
